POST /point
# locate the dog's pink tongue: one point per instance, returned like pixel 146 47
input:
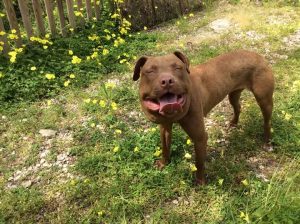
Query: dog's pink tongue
pixel 168 104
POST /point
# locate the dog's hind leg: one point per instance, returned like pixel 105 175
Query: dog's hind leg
pixel 234 99
pixel 263 87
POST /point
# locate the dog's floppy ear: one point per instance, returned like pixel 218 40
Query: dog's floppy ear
pixel 184 59
pixel 137 69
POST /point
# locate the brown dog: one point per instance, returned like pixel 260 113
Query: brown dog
pixel 170 91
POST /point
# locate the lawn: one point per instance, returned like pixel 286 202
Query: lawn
pixel 76 148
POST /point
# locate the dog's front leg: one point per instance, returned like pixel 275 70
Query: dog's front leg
pixel 165 137
pixel 194 127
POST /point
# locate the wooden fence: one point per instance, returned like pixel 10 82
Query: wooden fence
pixel 38 9
pixel 74 13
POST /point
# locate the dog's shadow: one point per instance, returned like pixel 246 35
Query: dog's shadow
pixel 232 161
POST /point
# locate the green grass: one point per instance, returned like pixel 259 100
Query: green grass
pixel 111 148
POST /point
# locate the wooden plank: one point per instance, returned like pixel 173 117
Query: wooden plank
pixel 71 16
pixel 3 38
pixel 181 10
pixel 79 4
pixel 38 13
pixel 79 7
pixel 12 19
pixel 62 20
pixel 89 9
pixel 23 5
pixel 51 20
pixel 97 9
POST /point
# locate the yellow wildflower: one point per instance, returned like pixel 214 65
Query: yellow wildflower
pixel 114 106
pixel 123 61
pixel 188 156
pixel 72 76
pixel 136 149
pixel 33 68
pixel 153 129
pixel 87 100
pixel 93 125
pixel 193 167
pixel 50 76
pixel 118 131
pixel 73 182
pixel 94 55
pixel 49 102
pixel 105 51
pixel 101 213
pixel 220 181
pixel 86 180
pixel 245 216
pixel 47 35
pixel 287 116
pixel 78 14
pixel 93 37
pixel 114 16
pixel 2 33
pixel 70 52
pixel 191 15
pixel 102 103
pixel 188 142
pixel 94 101
pixel 145 28
pixel 110 85
pixel 45 47
pixel 123 30
pixel 245 182
pixel 76 60
pixel 157 152
pixel 12 36
pixel 1 75
pixel 66 83
pixel 116 149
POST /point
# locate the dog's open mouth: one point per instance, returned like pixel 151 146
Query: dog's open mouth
pixel 168 104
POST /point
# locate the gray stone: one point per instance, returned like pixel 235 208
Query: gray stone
pixel 44 153
pixel 27 183
pixel 47 132
pixel 220 25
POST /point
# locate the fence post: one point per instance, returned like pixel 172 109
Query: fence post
pixel 97 9
pixel 23 5
pixel 3 38
pixel 61 15
pixel 181 10
pixel 37 9
pixel 79 7
pixel 12 19
pixel 88 9
pixel 79 4
pixel 70 8
pixel 49 10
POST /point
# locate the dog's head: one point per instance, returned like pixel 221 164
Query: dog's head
pixel 164 86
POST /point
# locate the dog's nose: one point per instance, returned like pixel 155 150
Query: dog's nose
pixel 167 81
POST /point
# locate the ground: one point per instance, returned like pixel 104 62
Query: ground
pixel 86 155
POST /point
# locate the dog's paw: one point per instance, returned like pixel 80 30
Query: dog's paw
pixel 159 164
pixel 200 181
pixel 268 147
pixel 232 125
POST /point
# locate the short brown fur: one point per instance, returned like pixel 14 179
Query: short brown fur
pixel 203 86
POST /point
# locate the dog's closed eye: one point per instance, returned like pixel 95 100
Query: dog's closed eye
pixel 149 71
